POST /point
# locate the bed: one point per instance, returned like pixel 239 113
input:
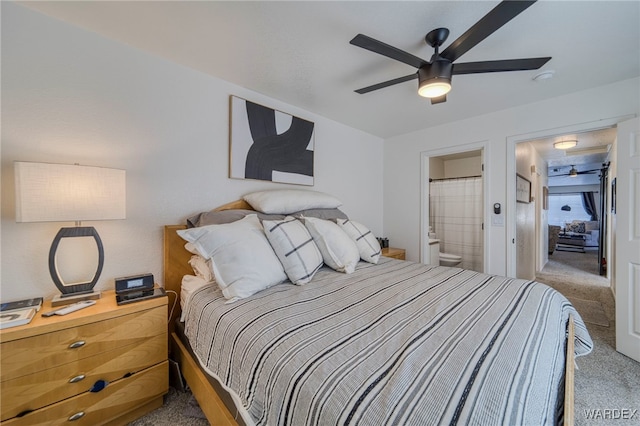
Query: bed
pixel 391 343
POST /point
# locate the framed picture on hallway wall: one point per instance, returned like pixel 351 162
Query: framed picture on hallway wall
pixel 523 189
pixel 271 145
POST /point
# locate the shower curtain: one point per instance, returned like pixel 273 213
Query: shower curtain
pixel 455 214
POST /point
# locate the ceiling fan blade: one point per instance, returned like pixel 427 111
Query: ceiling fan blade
pixel 387 83
pixel 384 49
pixel 586 172
pixel 439 100
pixel 499 66
pixel 492 21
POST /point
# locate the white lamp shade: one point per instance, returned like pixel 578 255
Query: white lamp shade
pixel 64 193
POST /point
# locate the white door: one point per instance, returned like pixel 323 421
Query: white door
pixel 627 236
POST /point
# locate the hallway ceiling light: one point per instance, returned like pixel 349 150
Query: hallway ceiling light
pixel 565 144
pixel 573 172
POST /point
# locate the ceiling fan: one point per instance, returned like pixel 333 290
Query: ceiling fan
pixel 434 76
pixel 574 172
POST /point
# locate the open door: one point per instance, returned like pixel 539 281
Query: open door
pixel 627 236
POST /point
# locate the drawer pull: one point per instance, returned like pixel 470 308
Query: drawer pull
pixel 77 416
pixel 77 378
pixel 78 344
pixel 98 386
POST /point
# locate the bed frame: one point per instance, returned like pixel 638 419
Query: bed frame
pixel 176 266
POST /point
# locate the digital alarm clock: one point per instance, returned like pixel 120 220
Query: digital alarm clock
pixel 134 282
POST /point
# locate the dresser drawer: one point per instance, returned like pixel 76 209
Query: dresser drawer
pixel 43 388
pixel 42 352
pixel 98 408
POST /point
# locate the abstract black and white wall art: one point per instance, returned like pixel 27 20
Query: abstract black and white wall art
pixel 266 144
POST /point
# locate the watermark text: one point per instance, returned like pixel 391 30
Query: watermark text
pixel 611 414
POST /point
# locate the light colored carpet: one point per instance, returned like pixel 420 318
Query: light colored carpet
pixel 179 409
pixel 575 267
pixel 591 311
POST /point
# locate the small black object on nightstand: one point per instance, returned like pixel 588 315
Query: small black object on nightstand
pixel 136 288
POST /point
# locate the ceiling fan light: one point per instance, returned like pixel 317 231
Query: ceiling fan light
pixel 435 80
pixel 434 88
pixel 565 144
pixel 573 172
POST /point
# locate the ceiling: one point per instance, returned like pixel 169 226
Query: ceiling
pixel 588 155
pixel 298 51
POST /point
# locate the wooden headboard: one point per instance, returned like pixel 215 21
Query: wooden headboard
pixel 176 257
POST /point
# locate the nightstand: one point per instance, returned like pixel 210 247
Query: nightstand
pixel 395 253
pixel 49 366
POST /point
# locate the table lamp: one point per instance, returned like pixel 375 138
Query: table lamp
pixel 70 193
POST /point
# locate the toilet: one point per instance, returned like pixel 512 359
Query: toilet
pixel 442 259
pixel 447 259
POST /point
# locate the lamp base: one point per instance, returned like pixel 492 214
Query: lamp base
pixel 68 299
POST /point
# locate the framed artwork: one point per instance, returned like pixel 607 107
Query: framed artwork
pixel 266 144
pixel 523 189
pixel 545 198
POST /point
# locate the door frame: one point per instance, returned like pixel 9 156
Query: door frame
pixel 512 141
pixel 424 192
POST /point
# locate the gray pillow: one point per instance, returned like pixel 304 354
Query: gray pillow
pixel 226 216
pixel 326 214
pixel 229 216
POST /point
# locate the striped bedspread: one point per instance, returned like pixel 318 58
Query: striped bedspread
pixel 395 343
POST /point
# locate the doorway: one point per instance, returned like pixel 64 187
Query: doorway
pixel 512 143
pixel 565 218
pixel 622 249
pixel 453 189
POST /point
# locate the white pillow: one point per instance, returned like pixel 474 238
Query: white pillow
pixel 242 259
pixel 190 284
pixel 338 250
pixel 365 240
pixel 285 201
pixel 295 248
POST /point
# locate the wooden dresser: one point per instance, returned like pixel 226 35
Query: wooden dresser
pixel 395 253
pixel 49 366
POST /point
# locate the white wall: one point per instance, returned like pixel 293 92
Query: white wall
pixel 463 167
pixel 402 156
pixel 440 168
pixel 532 231
pixel 541 177
pixel 612 218
pixel 71 96
pixel 436 168
pixel 526 216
